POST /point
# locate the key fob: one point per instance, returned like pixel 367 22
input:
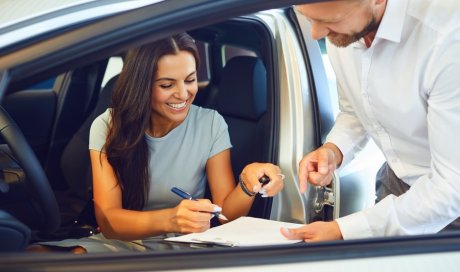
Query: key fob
pixel 264 180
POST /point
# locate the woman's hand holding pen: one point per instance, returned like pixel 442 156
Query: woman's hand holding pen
pixel 254 179
pixel 192 216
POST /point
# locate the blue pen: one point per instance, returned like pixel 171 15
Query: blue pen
pixel 185 195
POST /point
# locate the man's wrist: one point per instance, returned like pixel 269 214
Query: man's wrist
pixel 337 232
pixel 338 156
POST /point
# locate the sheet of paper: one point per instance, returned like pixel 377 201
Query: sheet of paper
pixel 244 231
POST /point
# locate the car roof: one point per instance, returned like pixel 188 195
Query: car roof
pixel 24 20
pixel 22 10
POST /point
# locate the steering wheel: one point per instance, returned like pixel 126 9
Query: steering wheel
pixel 36 179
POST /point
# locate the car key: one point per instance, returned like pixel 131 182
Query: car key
pixel 264 180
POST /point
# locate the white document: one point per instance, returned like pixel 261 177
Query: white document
pixel 244 231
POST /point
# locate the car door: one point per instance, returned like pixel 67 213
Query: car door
pixel 45 54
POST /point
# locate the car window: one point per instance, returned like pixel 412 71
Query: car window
pixel 114 67
pixel 204 68
pixel 331 80
pixel 86 80
pixel 46 84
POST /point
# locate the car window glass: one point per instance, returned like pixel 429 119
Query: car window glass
pixel 43 85
pixel 203 69
pixel 330 76
pixel 114 67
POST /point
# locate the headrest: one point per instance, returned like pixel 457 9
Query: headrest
pixel 105 96
pixel 243 88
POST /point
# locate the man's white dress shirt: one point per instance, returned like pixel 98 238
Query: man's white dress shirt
pixel 404 92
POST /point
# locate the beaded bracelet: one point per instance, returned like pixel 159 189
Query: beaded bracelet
pixel 245 189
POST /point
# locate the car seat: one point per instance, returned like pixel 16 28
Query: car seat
pixel 242 101
pixel 76 205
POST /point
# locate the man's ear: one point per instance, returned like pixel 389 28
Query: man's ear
pixel 380 6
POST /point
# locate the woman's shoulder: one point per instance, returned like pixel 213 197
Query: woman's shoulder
pixel 98 131
pixel 200 112
pixel 102 120
pixel 105 116
pixel 207 119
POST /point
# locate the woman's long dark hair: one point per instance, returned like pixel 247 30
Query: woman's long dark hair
pixel 126 148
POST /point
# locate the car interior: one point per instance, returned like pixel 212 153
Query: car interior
pixel 236 78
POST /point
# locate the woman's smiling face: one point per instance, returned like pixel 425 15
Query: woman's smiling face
pixel 174 89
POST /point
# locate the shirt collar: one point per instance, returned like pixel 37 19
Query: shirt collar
pixel 392 22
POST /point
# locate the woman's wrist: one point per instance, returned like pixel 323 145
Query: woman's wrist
pixel 244 188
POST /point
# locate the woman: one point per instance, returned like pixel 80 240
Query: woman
pixel 153 139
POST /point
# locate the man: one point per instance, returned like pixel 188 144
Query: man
pixel 397 64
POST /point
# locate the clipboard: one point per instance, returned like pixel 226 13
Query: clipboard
pixel 244 231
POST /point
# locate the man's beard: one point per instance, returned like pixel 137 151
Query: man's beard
pixel 344 40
